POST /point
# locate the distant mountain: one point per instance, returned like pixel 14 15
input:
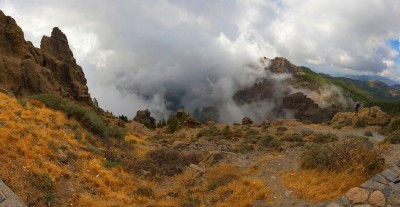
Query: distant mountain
pixel 304 78
pixel 373 77
pixel 396 86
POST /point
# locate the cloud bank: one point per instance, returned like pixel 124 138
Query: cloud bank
pixel 163 54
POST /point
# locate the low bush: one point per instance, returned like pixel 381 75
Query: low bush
pixel 393 138
pixel 145 191
pixel 209 132
pixel 295 137
pixel 348 155
pixel 86 116
pixel 368 134
pixel 166 162
pixel 281 129
pixel 270 142
pixel 393 126
pixel 306 132
pixel 325 138
pixel 243 147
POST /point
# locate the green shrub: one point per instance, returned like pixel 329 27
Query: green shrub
pixel 393 126
pixel 123 118
pixel 281 129
pixel 360 122
pixel 252 136
pixel 270 142
pixel 243 147
pixel 325 138
pixel 393 138
pixel 166 162
pixel 86 116
pixel 209 132
pixel 50 199
pixel 347 155
pixel 306 132
pixel 296 137
pixel 226 132
pixel 368 134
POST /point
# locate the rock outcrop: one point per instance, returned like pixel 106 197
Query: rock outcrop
pixel 247 121
pixel 365 116
pixel 305 108
pixel 144 117
pixel 26 70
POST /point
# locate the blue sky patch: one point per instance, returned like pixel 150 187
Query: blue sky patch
pixel 395 44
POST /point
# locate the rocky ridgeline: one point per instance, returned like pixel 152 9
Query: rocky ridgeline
pixel 305 108
pixel 26 70
pixel 381 190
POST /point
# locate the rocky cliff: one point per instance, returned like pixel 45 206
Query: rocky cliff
pixel 52 68
pixel 304 108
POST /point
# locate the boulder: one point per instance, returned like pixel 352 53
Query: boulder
pixel 377 199
pixel 191 122
pixel 373 116
pixel 357 195
pixel 305 108
pixel 144 117
pixel 247 121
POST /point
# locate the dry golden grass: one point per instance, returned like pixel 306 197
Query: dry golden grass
pixel 224 185
pixel 317 186
pixel 33 141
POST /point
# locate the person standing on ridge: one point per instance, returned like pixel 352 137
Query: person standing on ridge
pixel 356 108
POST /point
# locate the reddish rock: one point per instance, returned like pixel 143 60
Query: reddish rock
pixel 357 195
pixel 305 108
pixel 26 70
pixel 377 199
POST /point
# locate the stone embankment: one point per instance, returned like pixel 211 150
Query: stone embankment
pixel 382 190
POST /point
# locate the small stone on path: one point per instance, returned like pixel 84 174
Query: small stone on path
pixel 377 199
pixel 357 195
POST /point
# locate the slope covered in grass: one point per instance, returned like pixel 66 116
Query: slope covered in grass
pixel 49 159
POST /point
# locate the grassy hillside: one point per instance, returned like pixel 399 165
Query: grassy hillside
pixel 362 91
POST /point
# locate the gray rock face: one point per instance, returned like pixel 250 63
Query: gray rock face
pixel 305 108
pixel 26 70
pixel 144 117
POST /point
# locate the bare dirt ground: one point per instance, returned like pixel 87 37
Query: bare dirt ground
pixel 269 164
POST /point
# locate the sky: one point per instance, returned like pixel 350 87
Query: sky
pixel 160 53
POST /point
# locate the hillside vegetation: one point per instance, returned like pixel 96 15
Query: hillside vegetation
pixel 369 93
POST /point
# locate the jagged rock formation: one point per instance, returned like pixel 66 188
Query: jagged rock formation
pixel 365 116
pixel 304 108
pixel 144 117
pixel 247 121
pixel 26 70
pixel 282 65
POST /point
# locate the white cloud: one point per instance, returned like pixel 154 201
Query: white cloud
pixel 144 50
